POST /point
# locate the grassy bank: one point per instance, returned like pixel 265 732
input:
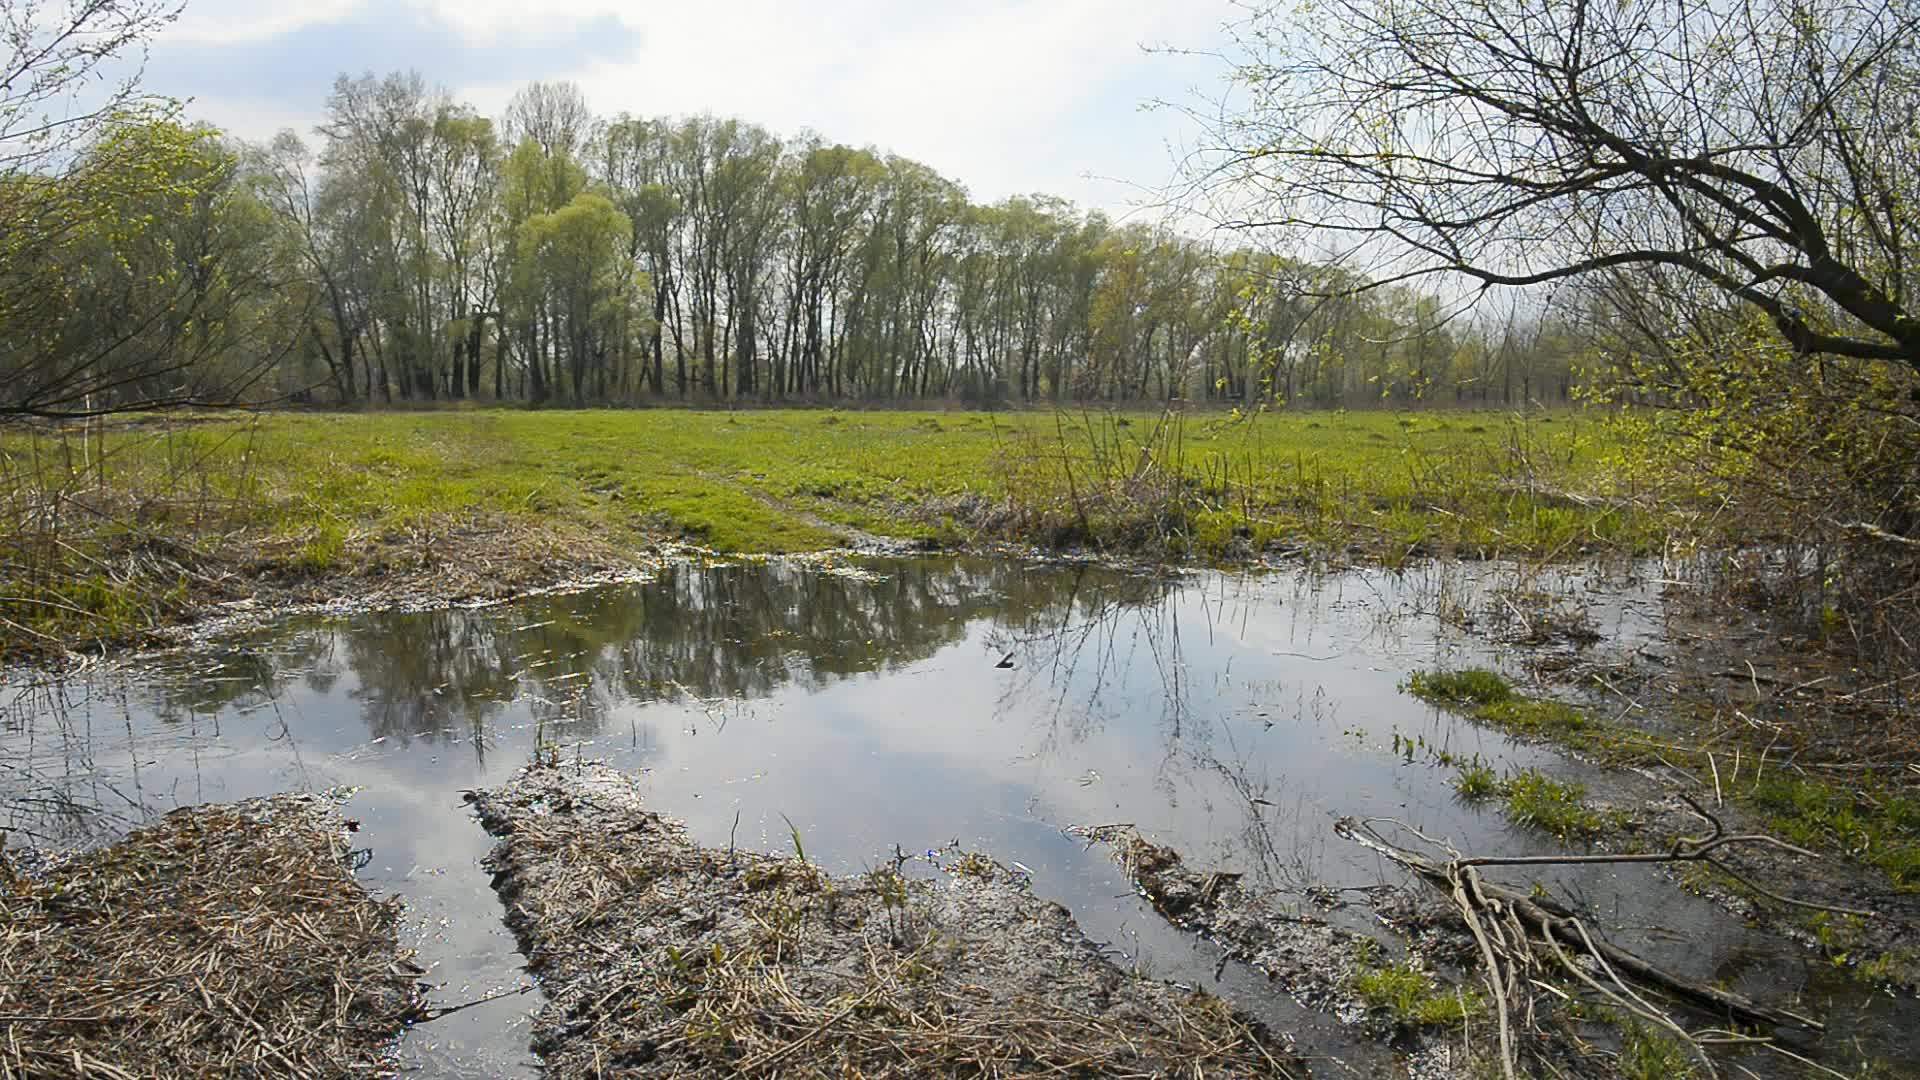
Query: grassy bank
pixel 1869 814
pixel 125 526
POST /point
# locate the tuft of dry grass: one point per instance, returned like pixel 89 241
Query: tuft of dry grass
pixel 219 941
pixel 663 958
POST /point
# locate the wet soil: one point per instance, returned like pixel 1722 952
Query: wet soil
pixel 1732 696
pixel 661 957
pixel 1292 937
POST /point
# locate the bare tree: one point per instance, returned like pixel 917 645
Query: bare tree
pixel 553 114
pixel 1762 150
pixel 67 73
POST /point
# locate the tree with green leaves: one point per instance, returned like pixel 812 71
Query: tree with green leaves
pixel 118 287
pixel 575 275
pixel 426 237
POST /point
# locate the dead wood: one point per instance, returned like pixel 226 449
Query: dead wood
pixel 1555 920
pixel 1516 931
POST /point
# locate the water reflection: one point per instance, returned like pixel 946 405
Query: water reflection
pixel 699 632
pixel 906 703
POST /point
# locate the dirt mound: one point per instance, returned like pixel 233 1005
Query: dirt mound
pixel 663 958
pixel 1315 961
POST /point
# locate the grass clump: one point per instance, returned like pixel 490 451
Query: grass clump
pixel 1535 718
pixel 1882 831
pixel 1473 687
pixel 1477 782
pixel 1647 1053
pixel 1535 800
pixel 1487 698
pixel 1408 995
pixel 1538 801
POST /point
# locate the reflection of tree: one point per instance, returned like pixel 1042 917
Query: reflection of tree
pixel 747 630
pixel 1099 640
pixel 711 633
pixel 55 785
pixel 1071 651
pixel 428 675
pixel 237 675
pixel 717 636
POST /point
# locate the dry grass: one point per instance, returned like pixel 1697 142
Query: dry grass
pixel 221 941
pixel 662 958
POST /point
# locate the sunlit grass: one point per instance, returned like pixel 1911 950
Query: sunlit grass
pixel 329 494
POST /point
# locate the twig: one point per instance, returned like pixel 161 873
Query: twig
pixel 1554 920
pixel 435 1014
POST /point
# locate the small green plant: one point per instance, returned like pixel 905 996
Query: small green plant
pixel 1473 686
pixel 890 887
pixel 973 864
pixel 799 849
pixel 1900 966
pixel 1538 801
pixel 1477 782
pixel 546 754
pixel 1647 1053
pixel 1409 995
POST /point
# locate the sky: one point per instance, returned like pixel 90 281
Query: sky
pixel 1005 96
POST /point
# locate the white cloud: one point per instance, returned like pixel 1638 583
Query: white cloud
pixel 1006 96
pixel 235 22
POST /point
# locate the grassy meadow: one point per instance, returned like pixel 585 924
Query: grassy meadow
pixel 117 526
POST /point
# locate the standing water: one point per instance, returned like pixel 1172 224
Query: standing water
pixel 878 707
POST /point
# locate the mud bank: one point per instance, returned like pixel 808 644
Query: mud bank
pixel 221 941
pixel 1404 967
pixel 1411 1003
pixel 664 958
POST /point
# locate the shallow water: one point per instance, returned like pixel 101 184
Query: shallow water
pixel 867 707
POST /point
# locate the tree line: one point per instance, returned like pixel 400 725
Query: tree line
pixel 414 250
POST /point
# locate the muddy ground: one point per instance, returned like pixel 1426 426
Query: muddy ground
pixel 663 958
pixel 1405 984
pixel 219 941
pixel 1724 704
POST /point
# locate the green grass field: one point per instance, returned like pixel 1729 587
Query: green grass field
pixel 320 495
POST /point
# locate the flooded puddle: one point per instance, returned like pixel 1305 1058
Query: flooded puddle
pixel 868 708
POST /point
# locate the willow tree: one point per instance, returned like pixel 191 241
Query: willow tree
pixel 576 276
pixel 166 284
pixel 180 290
pixel 79 147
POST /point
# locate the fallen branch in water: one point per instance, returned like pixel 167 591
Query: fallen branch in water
pixel 1512 928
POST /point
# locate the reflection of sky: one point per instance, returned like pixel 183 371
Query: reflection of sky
pixel 1234 719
